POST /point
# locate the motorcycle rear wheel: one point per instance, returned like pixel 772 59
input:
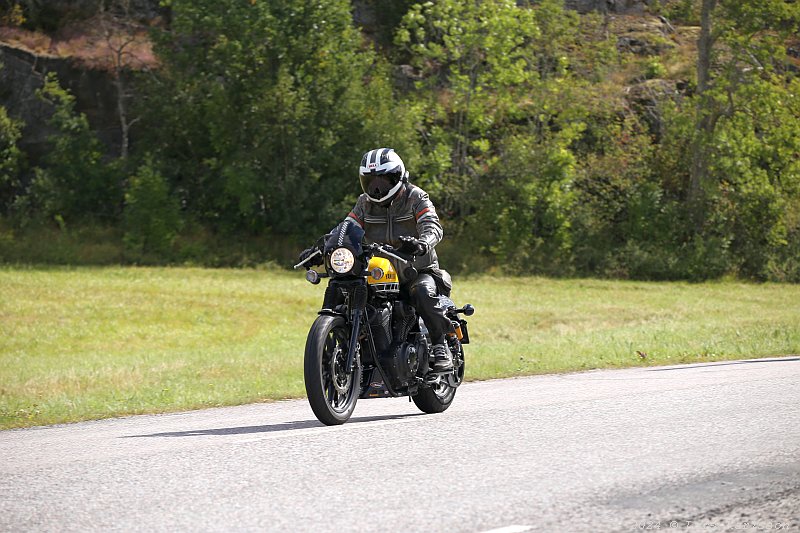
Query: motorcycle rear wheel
pixel 434 400
pixel 332 391
pixel 437 398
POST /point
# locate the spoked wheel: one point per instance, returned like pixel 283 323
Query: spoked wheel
pixel 332 391
pixel 439 395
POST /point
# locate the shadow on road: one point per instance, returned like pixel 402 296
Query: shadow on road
pixel 746 362
pixel 270 428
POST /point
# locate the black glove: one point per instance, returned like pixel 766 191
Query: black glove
pixel 412 246
pixel 308 252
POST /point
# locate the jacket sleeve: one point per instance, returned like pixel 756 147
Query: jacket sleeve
pixel 357 213
pixel 429 228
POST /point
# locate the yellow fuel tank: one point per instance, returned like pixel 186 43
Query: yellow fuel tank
pixel 383 277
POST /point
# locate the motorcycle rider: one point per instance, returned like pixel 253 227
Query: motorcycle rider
pixel 393 211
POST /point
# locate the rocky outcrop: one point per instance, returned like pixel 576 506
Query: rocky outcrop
pixel 642 46
pixel 23 73
pixel 645 99
pixel 50 15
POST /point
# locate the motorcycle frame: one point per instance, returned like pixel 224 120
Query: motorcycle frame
pixel 354 316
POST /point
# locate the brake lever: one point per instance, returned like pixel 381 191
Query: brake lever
pixel 307 259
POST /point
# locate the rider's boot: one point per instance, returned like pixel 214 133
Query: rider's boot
pixel 442 359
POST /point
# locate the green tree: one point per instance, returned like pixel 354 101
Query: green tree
pixel 75 182
pixel 475 62
pixel 11 160
pixel 738 46
pixel 755 159
pixel 741 178
pixel 502 102
pixel 264 108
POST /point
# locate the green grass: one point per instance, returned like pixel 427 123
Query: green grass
pixel 90 343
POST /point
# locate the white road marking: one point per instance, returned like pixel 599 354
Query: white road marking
pixel 510 529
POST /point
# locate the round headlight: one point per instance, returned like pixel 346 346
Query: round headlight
pixel 342 260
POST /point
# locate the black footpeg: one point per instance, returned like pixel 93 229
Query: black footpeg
pixel 453 381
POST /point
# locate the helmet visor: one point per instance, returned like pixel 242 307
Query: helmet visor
pixel 379 186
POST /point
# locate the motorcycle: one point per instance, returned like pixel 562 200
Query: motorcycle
pixel 367 340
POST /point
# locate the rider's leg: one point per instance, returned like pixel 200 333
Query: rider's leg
pixel 424 298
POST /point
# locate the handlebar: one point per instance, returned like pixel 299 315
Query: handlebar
pixel 376 247
pixel 390 253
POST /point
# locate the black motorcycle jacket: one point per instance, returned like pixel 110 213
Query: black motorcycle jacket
pixel 411 214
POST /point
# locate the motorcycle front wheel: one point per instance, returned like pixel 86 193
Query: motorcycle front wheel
pixel 332 391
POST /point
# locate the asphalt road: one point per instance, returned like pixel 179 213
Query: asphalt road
pixel 710 447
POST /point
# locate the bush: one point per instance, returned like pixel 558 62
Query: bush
pixel 151 215
pixel 654 68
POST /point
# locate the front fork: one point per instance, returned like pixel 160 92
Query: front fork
pixel 355 333
pixel 358 303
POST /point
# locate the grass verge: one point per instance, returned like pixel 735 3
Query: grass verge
pixel 87 343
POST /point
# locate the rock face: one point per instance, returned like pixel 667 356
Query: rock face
pixel 23 74
pixel 51 14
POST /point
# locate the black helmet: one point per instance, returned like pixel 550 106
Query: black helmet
pixel 381 174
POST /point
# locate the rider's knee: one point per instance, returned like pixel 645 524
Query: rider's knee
pixel 423 289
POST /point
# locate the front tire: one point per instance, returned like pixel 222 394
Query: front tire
pixel 332 392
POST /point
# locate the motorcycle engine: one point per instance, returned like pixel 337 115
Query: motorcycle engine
pixel 401 363
pixel 399 348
